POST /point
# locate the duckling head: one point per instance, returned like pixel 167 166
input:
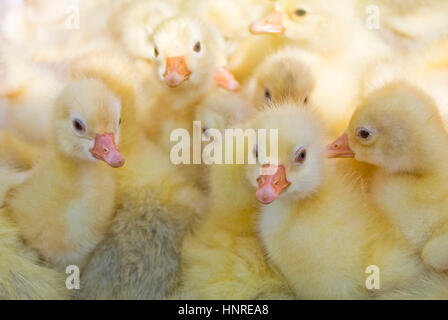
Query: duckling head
pixel 397 127
pixel 310 22
pixel 87 122
pixel 184 53
pixel 281 76
pixel 297 171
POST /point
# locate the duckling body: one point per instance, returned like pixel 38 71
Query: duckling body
pixel 223 258
pixel 140 256
pixel 323 233
pixel 73 223
pixel 65 226
pixel 410 183
pixel 22 276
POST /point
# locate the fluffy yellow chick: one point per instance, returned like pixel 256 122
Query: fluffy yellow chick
pixel 199 53
pixel 318 228
pixel 65 221
pixel 186 50
pixel 223 259
pixel 313 24
pixel 398 129
pixel 131 27
pixel 140 257
pixel 283 75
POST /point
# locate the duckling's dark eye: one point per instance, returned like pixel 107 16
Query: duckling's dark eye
pixel 300 156
pixel 119 122
pixel 364 133
pixel 306 100
pixel 156 52
pixel 300 12
pixel 197 47
pixel 267 94
pixel 79 126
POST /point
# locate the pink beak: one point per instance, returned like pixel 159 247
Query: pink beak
pixel 270 24
pixel 340 148
pixel 176 71
pixel 106 150
pixel 270 186
pixel 226 80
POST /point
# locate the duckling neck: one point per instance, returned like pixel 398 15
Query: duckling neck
pixel 181 98
pixel 75 165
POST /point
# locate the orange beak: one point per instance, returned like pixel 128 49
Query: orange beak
pixel 270 24
pixel 176 71
pixel 106 150
pixel 340 148
pixel 270 186
pixel 226 80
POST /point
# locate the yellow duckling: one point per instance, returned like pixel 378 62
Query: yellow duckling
pixel 283 75
pixel 222 258
pixel 65 226
pixel 317 227
pixel 398 129
pixel 140 257
pixel 313 24
pixel 186 51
